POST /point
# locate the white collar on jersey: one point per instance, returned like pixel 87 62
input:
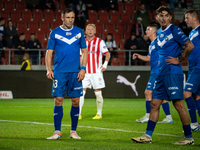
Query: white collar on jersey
pixel 166 28
pixel 196 27
pixel 66 29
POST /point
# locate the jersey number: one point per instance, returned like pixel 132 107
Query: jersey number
pixel 55 83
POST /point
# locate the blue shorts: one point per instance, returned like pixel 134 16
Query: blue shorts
pixel 151 82
pixel 193 82
pixel 63 82
pixel 168 87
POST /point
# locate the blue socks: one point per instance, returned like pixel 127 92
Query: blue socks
pixel 166 109
pixel 187 131
pixel 58 114
pixel 150 127
pixel 191 108
pixel 148 106
pixel 74 117
pixel 198 106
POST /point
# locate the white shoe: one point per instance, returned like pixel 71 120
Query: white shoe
pixel 74 135
pixel 144 119
pixel 195 128
pixel 166 120
pixel 143 139
pixel 55 136
pixel 185 141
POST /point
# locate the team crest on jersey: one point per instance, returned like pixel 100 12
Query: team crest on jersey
pixel 162 35
pixel 166 39
pixel 76 37
pixel 68 33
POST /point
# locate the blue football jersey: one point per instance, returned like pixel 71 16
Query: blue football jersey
pixel 153 53
pixel 170 42
pixel 67 44
pixel 194 57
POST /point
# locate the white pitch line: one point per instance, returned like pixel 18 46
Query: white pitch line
pixel 89 127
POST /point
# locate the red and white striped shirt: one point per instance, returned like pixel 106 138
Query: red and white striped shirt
pixel 95 48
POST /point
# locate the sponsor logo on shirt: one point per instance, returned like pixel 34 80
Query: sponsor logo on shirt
pixel 68 33
pixel 162 35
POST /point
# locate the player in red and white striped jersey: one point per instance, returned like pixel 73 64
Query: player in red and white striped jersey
pixel 94 77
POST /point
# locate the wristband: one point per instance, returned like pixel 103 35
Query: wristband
pixel 105 64
pixel 83 67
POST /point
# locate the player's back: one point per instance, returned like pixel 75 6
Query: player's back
pixel 154 58
pixel 194 57
pixel 170 42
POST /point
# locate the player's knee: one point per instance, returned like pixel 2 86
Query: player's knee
pixel 99 96
pixel 148 94
pixel 178 104
pixel 187 94
pixel 155 105
pixel 58 101
pixel 75 101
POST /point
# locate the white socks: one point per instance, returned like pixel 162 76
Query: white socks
pixel 99 100
pixel 81 102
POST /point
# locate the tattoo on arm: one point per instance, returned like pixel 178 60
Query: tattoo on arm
pixel 186 52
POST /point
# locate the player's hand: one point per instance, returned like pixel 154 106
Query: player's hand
pixel 102 69
pixel 50 75
pixel 135 55
pixel 172 60
pixel 81 75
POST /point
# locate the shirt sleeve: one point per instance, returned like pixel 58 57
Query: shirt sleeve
pixel 103 47
pixel 51 41
pixel 82 40
pixel 179 36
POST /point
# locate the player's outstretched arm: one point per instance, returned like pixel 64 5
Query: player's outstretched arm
pixel 81 73
pixel 104 66
pixel 188 48
pixel 48 57
pixel 144 58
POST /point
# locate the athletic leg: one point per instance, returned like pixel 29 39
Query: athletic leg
pixel 81 102
pixel 148 95
pixel 58 115
pixel 99 101
pixel 180 107
pixel 74 113
pixel 166 109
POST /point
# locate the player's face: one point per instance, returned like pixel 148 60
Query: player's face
pixel 149 31
pixel 68 20
pixel 164 18
pixel 188 19
pixel 90 31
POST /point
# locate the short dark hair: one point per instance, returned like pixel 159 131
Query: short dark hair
pixel 153 25
pixel 163 8
pixel 22 34
pixel 1 19
pixel 9 21
pixel 67 10
pixel 193 12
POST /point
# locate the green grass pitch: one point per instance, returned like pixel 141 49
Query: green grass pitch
pixel 26 123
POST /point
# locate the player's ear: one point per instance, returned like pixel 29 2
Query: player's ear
pixel 156 17
pixel 62 18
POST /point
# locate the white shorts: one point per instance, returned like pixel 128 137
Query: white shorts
pixel 94 80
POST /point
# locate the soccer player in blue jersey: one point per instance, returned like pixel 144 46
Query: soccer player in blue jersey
pixel 169 83
pixel 153 58
pixel 192 87
pixel 66 41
